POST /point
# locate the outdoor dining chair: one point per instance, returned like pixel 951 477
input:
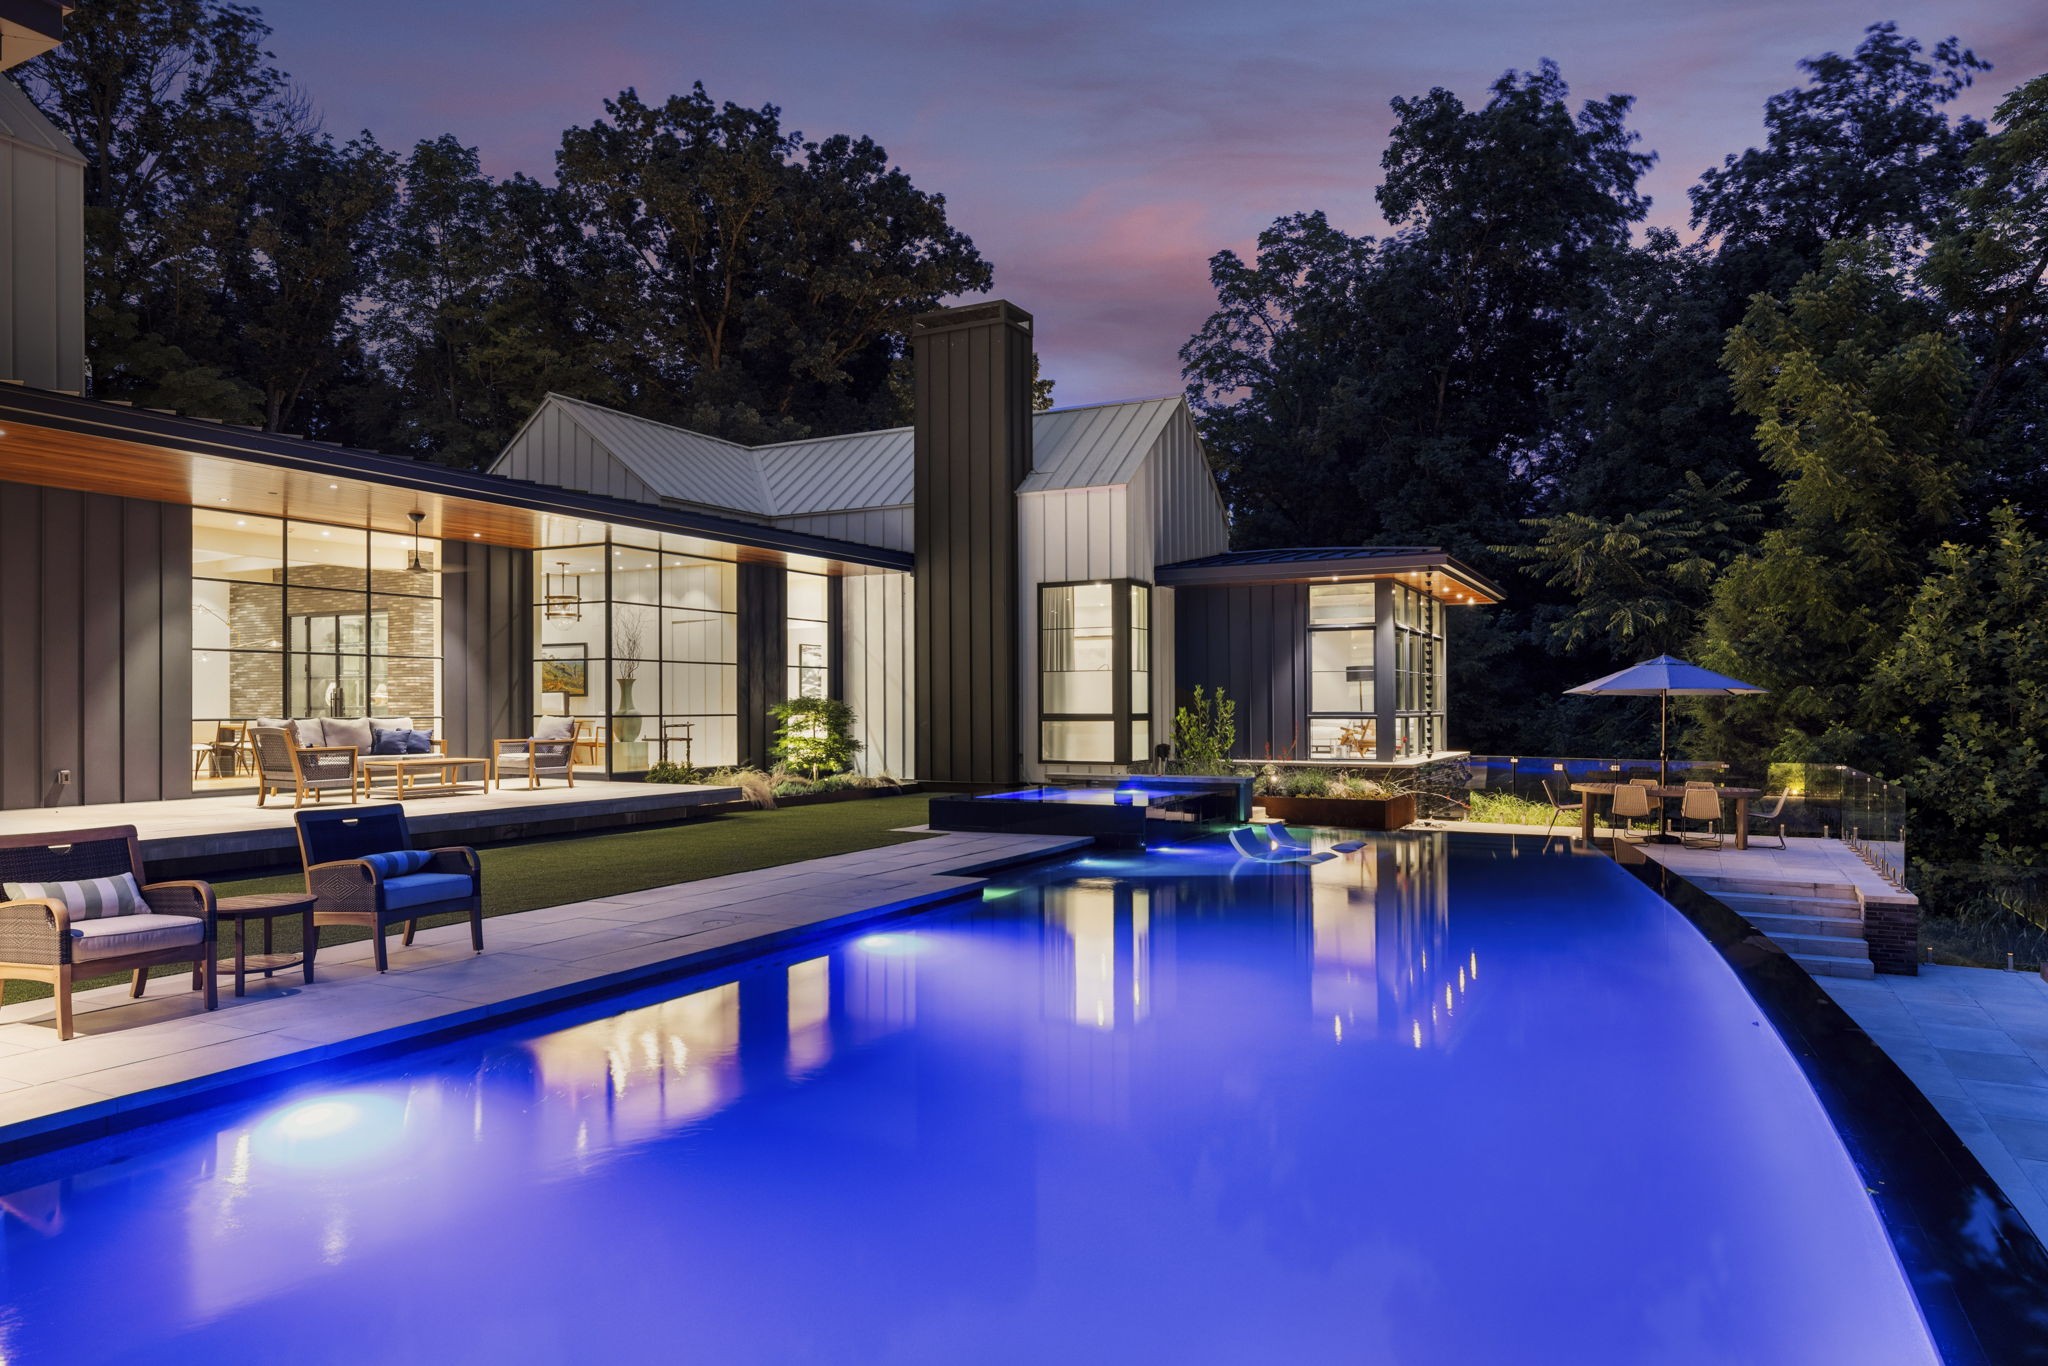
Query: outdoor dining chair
pixel 1560 810
pixel 1702 803
pixel 1631 802
pixel 1771 815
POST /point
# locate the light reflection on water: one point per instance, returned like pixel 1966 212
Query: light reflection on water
pixel 1441 1100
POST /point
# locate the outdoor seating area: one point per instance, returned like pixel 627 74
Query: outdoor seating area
pixel 77 904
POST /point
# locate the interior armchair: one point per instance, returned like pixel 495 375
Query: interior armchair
pixel 550 752
pixel 76 904
pixel 284 765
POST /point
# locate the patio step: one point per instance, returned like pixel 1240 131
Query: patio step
pixel 1803 907
pixel 1826 926
pixel 1822 946
pixel 1819 966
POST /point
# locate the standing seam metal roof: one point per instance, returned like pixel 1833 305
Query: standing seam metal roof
pixel 22 122
pixel 1085 447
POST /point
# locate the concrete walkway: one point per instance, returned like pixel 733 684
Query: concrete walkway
pixel 1975 1041
pixel 129 1055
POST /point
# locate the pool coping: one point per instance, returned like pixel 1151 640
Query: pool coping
pixel 1977 1270
pixel 43 1135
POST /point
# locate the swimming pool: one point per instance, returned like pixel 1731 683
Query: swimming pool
pixel 1450 1099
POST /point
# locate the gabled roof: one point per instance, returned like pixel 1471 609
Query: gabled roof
pixel 1084 447
pixel 22 122
pixel 1103 444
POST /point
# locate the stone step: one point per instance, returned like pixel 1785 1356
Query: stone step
pixel 1821 946
pixel 1722 887
pixel 1751 905
pixel 1833 926
pixel 1835 967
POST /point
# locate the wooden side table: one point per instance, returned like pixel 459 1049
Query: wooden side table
pixel 267 907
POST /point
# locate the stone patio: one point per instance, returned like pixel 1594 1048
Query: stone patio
pixel 132 1056
pixel 1975 1041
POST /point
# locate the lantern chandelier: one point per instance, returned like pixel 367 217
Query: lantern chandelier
pixel 563 598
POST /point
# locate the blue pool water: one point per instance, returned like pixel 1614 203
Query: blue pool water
pixel 1447 1100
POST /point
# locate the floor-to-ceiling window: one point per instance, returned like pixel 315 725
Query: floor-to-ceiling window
pixel 809 614
pixel 1095 672
pixel 1418 661
pixel 1343 721
pixel 299 619
pixel 639 641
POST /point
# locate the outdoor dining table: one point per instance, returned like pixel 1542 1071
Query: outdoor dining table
pixel 1664 793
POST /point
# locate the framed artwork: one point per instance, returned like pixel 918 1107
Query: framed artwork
pixel 565 669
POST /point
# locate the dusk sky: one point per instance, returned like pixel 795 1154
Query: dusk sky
pixel 1098 155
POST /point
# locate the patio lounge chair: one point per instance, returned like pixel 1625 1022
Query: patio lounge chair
pixel 550 752
pixel 1702 804
pixel 76 904
pixel 1631 803
pixel 284 765
pixel 362 870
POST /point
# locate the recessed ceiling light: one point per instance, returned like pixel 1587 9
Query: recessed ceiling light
pixel 334 486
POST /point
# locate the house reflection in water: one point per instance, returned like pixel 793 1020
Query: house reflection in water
pixel 1384 967
pixel 635 1076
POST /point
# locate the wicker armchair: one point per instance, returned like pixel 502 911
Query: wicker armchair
pixel 346 857
pixel 284 765
pixel 41 942
pixel 550 752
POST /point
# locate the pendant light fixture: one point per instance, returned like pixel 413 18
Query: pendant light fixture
pixel 563 598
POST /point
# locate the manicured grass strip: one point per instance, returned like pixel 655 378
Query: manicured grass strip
pixel 524 877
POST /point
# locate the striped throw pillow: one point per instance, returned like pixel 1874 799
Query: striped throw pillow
pixel 399 862
pixel 90 899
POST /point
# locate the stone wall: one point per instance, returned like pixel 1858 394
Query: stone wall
pixel 406 672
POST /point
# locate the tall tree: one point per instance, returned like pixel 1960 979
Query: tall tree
pixel 744 280
pixel 1863 150
pixel 172 103
pixel 1857 393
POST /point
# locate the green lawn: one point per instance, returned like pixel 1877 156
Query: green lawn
pixel 522 877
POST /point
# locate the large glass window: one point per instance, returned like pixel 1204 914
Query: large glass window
pixel 1341 696
pixel 1418 659
pixel 296 620
pixel 809 624
pixel 1095 672
pixel 641 644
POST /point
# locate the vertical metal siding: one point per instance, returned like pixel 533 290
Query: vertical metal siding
pixel 1251 641
pixel 763 591
pixel 972 441
pixel 95 603
pixel 486 645
pixel 879 663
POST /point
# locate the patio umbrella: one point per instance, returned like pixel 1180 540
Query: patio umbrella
pixel 1664 678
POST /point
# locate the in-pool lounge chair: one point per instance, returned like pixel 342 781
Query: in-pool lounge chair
pixel 1259 846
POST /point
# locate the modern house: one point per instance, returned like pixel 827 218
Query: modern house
pixel 999 594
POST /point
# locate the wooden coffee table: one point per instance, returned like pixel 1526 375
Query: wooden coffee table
pixel 404 771
pixel 267 907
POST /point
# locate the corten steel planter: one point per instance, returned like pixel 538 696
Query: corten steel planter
pixel 1349 813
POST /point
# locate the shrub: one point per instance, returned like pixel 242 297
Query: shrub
pixel 1505 808
pixel 1305 782
pixel 666 772
pixel 815 734
pixel 754 785
pixel 1205 733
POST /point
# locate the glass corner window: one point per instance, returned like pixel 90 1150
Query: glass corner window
pixel 1095 671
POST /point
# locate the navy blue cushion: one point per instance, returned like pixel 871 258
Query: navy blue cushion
pixel 423 889
pixel 398 862
pixel 402 742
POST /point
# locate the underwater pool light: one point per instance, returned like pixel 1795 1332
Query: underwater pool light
pixel 890 944
pixel 331 1130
